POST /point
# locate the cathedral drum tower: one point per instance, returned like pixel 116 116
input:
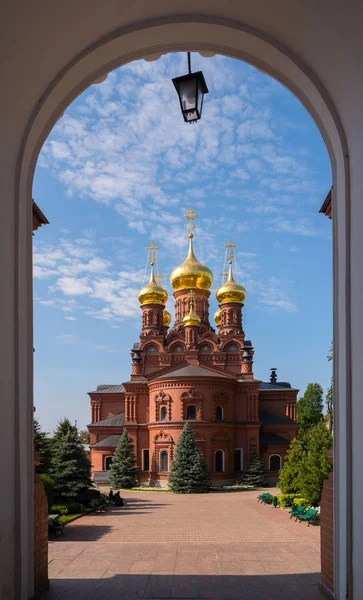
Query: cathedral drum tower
pixel 190 372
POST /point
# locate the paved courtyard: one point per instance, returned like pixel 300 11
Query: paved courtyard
pixel 217 546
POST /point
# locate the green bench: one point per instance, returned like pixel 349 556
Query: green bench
pixel 54 528
pixel 297 509
pixel 310 516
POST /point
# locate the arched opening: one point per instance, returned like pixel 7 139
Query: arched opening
pixel 108 462
pixel 231 348
pixel 191 412
pixel 205 348
pixel 151 349
pixel 219 461
pixel 163 461
pixel 219 413
pixel 163 413
pixel 177 348
pixel 281 74
pixel 275 462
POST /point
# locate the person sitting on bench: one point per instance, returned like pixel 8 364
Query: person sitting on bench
pixel 117 499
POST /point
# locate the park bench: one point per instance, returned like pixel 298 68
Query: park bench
pixel 54 528
pixel 297 509
pixel 309 516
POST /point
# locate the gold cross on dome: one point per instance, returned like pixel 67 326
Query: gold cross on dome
pixel 230 247
pixel 159 278
pixel 152 252
pixel 190 215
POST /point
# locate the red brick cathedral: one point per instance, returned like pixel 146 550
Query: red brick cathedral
pixel 192 372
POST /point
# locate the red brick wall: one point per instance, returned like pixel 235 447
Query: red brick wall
pixel 327 532
pixel 40 536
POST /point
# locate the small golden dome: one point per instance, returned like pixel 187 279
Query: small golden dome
pixel 166 318
pixel 217 316
pixel 191 319
pixel 231 291
pixel 191 273
pixel 152 293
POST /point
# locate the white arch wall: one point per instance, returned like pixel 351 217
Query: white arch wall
pixel 48 57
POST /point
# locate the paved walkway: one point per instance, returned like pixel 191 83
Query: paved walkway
pixel 217 546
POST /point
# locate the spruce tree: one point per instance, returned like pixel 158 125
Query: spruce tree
pixel 255 473
pixel 70 468
pixel 189 473
pixel 64 426
pixel 315 467
pixel 43 445
pixel 290 472
pixel 123 467
pixel 309 409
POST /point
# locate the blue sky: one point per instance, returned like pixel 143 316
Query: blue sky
pixel 120 168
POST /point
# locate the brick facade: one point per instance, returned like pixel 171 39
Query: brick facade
pixel 327 532
pixel 40 536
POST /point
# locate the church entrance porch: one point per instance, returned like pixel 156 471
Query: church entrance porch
pixel 163 545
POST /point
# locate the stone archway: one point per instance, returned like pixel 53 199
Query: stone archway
pixel 148 40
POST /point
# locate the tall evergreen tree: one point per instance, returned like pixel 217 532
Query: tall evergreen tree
pixel 315 467
pixel 309 409
pixel 70 468
pixel 43 444
pixel 189 473
pixel 289 474
pixel 123 467
pixel 255 473
pixel 64 426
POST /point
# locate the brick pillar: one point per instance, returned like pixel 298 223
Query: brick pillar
pixel 41 581
pixel 327 532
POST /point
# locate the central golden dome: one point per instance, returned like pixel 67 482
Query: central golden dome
pixel 152 293
pixel 231 291
pixel 191 273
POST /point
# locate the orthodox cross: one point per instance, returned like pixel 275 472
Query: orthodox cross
pixel 159 278
pixel 152 252
pixel 230 248
pixel 190 215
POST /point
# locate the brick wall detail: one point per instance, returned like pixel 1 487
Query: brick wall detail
pixel 327 531
pixel 40 536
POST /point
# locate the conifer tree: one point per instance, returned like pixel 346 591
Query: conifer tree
pixel 309 409
pixel 290 472
pixel 43 444
pixel 315 467
pixel 63 427
pixel 255 473
pixel 70 467
pixel 189 473
pixel 123 467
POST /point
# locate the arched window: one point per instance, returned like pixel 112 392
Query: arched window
pixel 275 462
pixel 219 413
pixel 205 348
pixel 191 412
pixel 177 348
pixel 180 310
pixel 108 462
pixel 231 348
pixel 219 461
pixel 151 349
pixel 163 413
pixel 163 460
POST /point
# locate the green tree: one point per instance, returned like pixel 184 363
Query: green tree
pixel 43 445
pixel 123 467
pixel 189 473
pixel 309 409
pixel 64 426
pixel 84 436
pixel 70 468
pixel 315 466
pixel 289 474
pixel 255 473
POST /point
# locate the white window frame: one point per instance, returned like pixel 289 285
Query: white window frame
pixel 223 461
pixel 195 408
pixel 220 406
pixel 104 461
pixel 142 458
pixel 241 461
pixel 269 461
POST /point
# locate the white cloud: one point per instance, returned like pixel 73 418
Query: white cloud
pixel 67 338
pixel 71 318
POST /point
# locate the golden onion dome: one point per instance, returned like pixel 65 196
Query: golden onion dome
pixel 231 291
pixel 166 318
pixel 191 319
pixel 152 293
pixel 217 317
pixel 191 273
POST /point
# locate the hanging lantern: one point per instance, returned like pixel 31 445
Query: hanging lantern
pixel 191 89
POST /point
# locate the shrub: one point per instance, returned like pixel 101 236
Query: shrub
pixel 298 501
pixel 89 496
pixel 285 500
pixel 66 508
pixel 48 487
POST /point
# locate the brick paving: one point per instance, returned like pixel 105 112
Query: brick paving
pixel 216 546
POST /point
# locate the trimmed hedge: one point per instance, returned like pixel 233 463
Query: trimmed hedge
pixel 287 500
pixel 48 487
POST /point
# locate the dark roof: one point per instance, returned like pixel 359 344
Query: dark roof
pixel 279 385
pixel 326 207
pixel 268 438
pixel 101 477
pixel 191 371
pixel 267 419
pixel 110 441
pixel 115 421
pixel 109 389
pixel 39 214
